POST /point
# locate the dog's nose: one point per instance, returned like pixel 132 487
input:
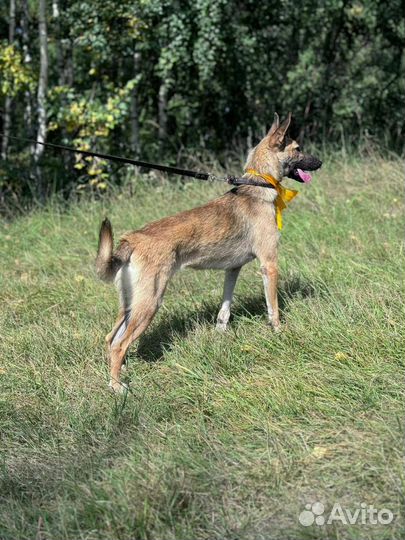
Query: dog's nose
pixel 317 163
pixel 310 163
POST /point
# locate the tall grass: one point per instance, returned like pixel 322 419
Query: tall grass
pixel 221 436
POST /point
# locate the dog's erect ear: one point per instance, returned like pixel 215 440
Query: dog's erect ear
pixel 285 125
pixel 278 135
pixel 274 126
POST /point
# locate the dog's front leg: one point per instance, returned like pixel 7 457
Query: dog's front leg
pixel 229 285
pixel 270 277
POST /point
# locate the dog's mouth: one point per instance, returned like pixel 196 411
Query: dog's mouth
pixel 300 171
pixel 300 175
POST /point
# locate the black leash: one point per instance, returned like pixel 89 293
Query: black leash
pixel 234 181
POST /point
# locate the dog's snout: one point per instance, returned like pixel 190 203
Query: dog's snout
pixel 312 163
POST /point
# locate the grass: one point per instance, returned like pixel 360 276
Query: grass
pixel 221 436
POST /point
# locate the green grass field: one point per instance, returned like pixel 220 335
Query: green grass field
pixel 221 436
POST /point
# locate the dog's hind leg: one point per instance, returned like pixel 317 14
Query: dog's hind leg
pixel 118 329
pixel 147 298
pixel 136 326
pixel 229 285
pixel 118 323
pixel 126 279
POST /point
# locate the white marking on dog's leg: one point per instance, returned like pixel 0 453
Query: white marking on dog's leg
pixel 121 388
pixel 121 330
pixel 229 285
pixel 266 294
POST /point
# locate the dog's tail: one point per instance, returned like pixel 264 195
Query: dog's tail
pixel 108 262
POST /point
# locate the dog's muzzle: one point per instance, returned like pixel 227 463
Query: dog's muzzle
pixel 299 169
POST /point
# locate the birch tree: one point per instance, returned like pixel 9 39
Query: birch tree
pixel 42 90
pixel 8 100
pixel 27 62
pixel 135 145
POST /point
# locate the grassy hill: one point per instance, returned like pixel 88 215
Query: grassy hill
pixel 221 436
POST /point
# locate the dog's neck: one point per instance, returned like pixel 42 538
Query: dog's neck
pixel 263 162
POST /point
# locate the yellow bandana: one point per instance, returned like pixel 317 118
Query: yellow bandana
pixel 284 195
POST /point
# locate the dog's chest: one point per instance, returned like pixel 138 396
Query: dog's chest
pixel 238 248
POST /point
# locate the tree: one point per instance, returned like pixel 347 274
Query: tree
pixel 149 77
pixel 42 91
pixel 8 101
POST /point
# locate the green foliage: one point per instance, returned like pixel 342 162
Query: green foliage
pixel 15 76
pixel 89 122
pixel 214 72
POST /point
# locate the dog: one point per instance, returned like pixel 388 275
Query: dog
pixel 224 234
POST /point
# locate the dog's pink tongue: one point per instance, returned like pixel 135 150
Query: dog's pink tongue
pixel 305 176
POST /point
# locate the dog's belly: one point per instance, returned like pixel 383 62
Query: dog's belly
pixel 219 264
pixel 219 257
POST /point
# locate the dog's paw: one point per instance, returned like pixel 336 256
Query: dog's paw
pixel 277 327
pixel 221 326
pixel 118 387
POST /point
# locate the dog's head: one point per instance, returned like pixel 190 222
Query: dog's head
pixel 279 155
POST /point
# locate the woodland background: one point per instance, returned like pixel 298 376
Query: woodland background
pixel 166 80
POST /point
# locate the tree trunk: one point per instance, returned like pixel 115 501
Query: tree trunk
pixel 68 66
pixel 8 101
pixel 135 143
pixel 27 61
pixel 331 52
pixel 58 40
pixel 64 49
pixel 162 111
pixel 64 64
pixel 42 90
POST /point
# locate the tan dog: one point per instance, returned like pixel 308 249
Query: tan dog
pixel 224 234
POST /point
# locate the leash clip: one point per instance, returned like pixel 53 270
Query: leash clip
pixel 231 180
